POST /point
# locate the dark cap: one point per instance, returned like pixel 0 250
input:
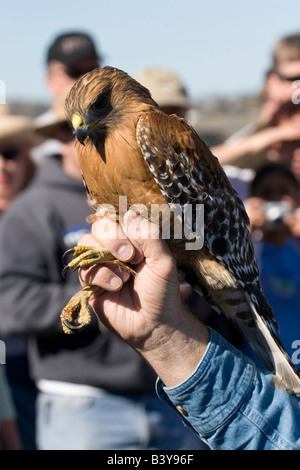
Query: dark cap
pixel 72 47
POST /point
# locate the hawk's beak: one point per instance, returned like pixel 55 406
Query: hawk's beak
pixel 81 130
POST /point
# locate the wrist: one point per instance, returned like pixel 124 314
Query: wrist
pixel 177 348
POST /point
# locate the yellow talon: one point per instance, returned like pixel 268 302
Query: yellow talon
pixel 76 313
pixel 86 256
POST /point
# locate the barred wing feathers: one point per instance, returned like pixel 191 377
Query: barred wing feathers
pixel 186 172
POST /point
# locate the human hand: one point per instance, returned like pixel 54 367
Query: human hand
pixel 255 210
pixel 295 163
pixel 289 129
pixel 145 310
pixel 292 220
pixel 270 224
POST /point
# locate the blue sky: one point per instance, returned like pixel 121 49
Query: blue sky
pixel 218 47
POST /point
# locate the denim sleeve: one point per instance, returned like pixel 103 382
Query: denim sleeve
pixel 233 405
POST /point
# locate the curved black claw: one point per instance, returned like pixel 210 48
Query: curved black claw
pixel 67 253
pixel 63 273
pixel 74 328
pixel 71 251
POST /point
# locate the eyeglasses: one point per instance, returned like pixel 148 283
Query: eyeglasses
pixel 10 153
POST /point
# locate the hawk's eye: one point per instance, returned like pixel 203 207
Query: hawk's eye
pixel 100 102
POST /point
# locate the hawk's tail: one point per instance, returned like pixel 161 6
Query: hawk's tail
pixel 249 310
pixel 271 350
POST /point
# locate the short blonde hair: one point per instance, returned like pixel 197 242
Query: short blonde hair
pixel 287 49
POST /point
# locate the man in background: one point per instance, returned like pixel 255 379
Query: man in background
pixel 68 57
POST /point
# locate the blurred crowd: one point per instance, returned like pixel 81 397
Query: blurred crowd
pixel 91 391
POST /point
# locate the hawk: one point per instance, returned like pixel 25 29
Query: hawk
pixel 127 146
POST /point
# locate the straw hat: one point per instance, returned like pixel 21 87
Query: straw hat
pixel 17 128
pixel 165 87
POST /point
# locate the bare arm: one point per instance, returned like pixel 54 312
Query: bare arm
pixel 228 153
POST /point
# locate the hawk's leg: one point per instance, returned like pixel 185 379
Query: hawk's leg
pixel 86 256
pixel 76 313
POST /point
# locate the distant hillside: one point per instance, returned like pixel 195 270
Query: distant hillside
pixel 218 118
pixel 27 108
pixel 215 119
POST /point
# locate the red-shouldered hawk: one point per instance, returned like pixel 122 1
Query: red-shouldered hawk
pixel 127 147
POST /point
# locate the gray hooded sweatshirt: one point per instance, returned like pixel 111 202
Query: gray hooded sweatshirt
pixel 42 223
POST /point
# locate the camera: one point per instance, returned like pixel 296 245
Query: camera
pixel 275 212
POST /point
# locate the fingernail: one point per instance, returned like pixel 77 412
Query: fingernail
pixel 125 252
pixel 115 282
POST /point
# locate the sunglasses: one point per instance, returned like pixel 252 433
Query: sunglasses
pixel 65 134
pixel 288 79
pixel 11 153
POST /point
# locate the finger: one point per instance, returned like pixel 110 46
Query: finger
pixel 109 277
pixel 147 237
pixel 89 240
pixel 109 235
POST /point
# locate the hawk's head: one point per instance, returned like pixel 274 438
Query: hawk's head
pixel 99 101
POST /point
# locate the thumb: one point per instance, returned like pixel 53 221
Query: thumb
pixel 146 236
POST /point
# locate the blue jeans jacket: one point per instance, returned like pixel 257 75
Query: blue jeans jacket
pixel 233 405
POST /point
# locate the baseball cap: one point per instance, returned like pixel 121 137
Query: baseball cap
pixel 165 87
pixel 70 48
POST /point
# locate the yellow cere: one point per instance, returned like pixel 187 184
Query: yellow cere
pixel 77 121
